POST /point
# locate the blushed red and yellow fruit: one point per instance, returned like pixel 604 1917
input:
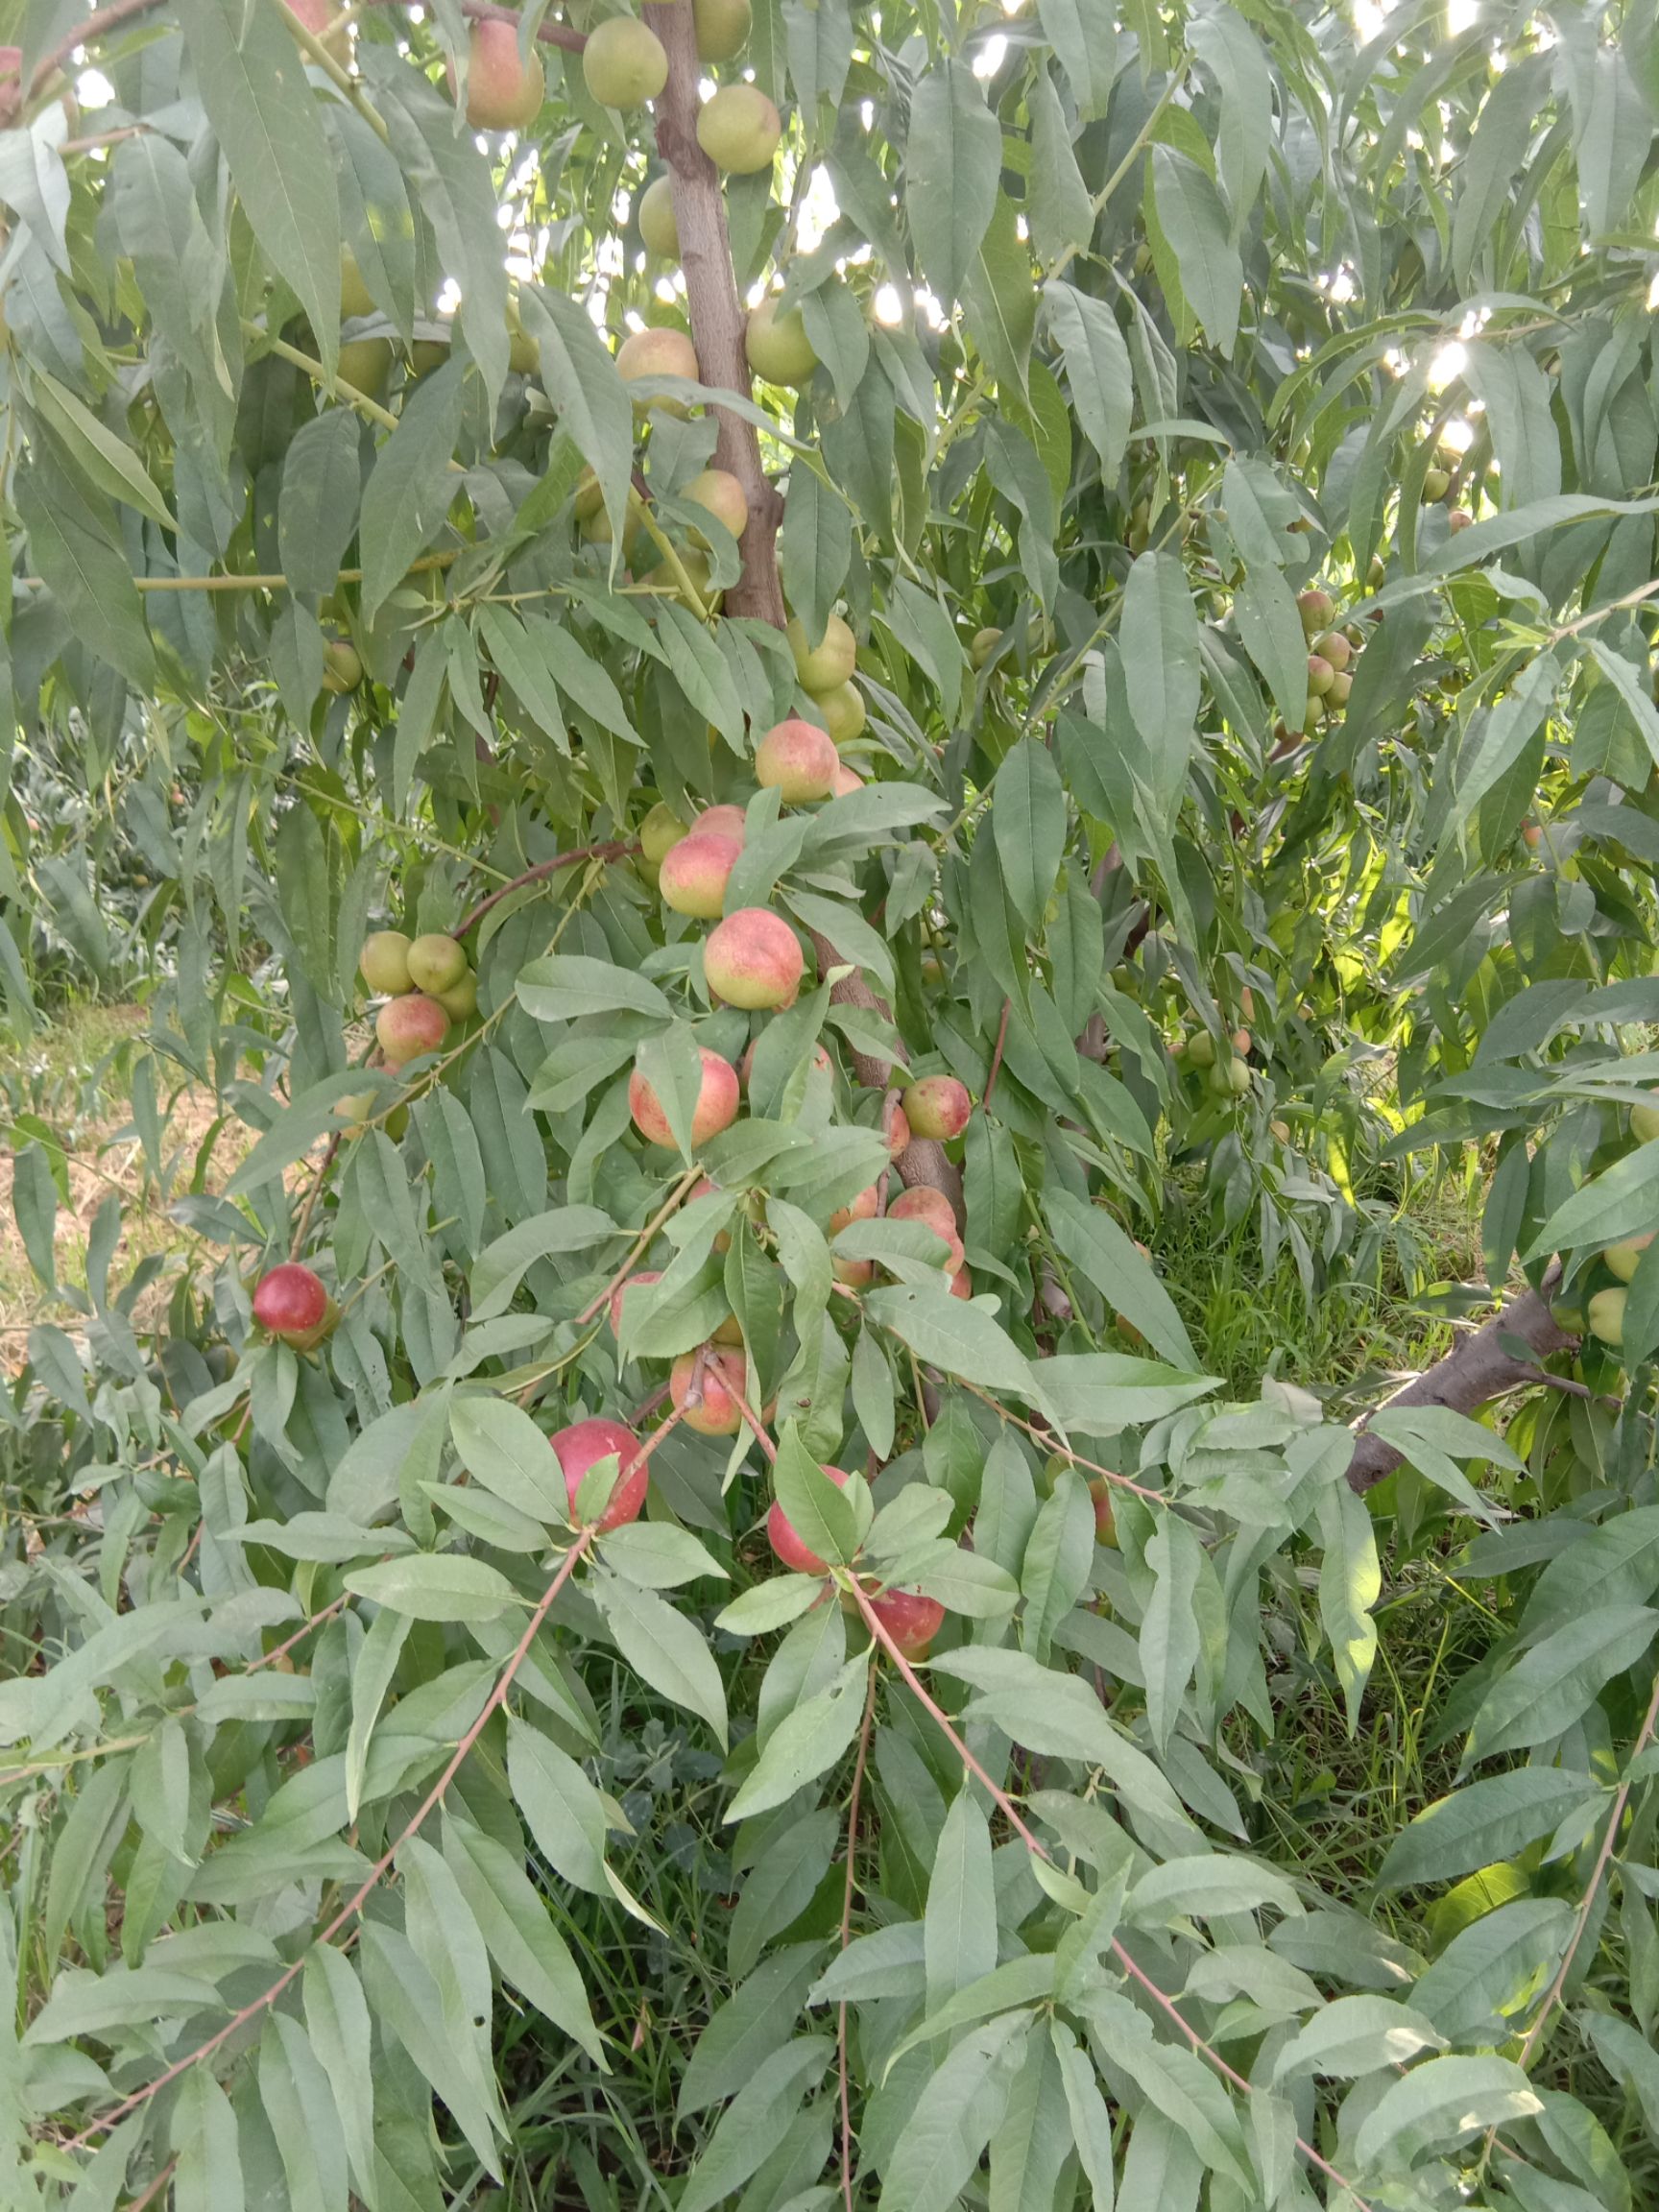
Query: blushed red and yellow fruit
pixel 291 1303
pixel 1624 1257
pixel 714 1409
pixel 845 715
pixel 910 1619
pixel 582 1445
pixel 845 782
pixel 796 760
pixel 640 1282
pixel 657 353
pixel 694 874
pixel 406 1027
pixel 503 93
pixel 787 1541
pixel 718 493
pixel 921 1202
pixel 938 1106
pixel 1105 1526
pixel 660 832
pixel 717 1106
pixel 752 960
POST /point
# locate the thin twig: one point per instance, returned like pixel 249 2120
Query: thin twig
pixel 1620 1798
pixel 996 1056
pixel 311 1196
pixel 618 850
pixel 1046 1438
pixel 676 1198
pixel 1005 1805
pixel 106 2120
pixel 852 1804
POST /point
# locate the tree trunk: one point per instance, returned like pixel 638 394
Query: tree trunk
pixel 1478 1369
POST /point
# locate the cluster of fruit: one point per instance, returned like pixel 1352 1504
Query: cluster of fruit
pixel 1225 1068
pixel 427 983
pixel 1331 657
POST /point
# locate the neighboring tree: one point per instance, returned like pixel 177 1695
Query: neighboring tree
pixel 711 1090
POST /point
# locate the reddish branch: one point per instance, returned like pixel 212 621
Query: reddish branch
pixel 717 316
pixel 104 20
pixel 618 850
pixel 1476 1370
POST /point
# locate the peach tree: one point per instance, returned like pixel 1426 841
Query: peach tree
pixel 780 669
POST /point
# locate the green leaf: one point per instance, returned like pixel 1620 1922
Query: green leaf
pixel 1158 637
pixel 1441 2103
pixel 959 1928
pixel 1097 369
pixel 953 156
pixel 1176 2080
pixel 303 2117
pixel 74 543
pixel 1028 821
pixel 1170 1637
pixel 1194 220
pixel 656 1555
pixel 580 378
pixel 1486 1821
pixel 1086 45
pixel 1350 1584
pixel 203 2134
pixel 564 985
pixel 252 78
pixel 1355 2035
pixel 411 488
pixel 1093 1241
pixel 502 1448
pixel 1555 1683
pixel 962 1339
pixel 435 1586
pixel 754 2021
pixel 954 2117
pixel 1493 1970
pixel 337 2019
pixel 664 1648
pixel 316 511
pixel 107 461
pixel 518 1929
pixel 805 1744
pixel 823 1517
pixel 563 1809
pixel 748 2132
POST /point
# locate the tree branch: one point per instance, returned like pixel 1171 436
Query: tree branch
pixel 1478 1369
pixel 717 317
pixel 543 868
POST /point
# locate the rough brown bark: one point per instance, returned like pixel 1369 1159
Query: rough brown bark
pixel 1476 1370
pixel 717 317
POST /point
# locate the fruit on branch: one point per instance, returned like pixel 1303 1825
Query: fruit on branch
pixel 722 28
pixel 342 666
pixel 659 226
pixel 1105 1526
pixel 436 962
pixel 291 1304
pixel 1316 608
pixel 830 664
pixel 702 1187
pixel 1459 519
pixel 582 1445
pixel 1332 645
pixel 706 1399
pixel 695 871
pixel 384 963
pixel 504 91
pixel 660 832
pixel 861 1208
pixel 961 1284
pixel 659 353
pixel 461 1000
pixel 718 493
pixel 1436 483
pixel 985 643
pixel 1341 685
pixel 776 342
pixel 844 781
pixel 796 759
pixel 716 1107
pixel 355 299
pixel 1242 1043
pixel 910 1619
pixel 921 1202
pixel 722 821
pixel 316 15
pixel 938 1106
pixel 1605 1313
pixel 844 717
pixel 754 959
pixel 1645 1124
pixel 524 352
pixel 595 525
pixel 738 128
pixel 624 63
pixel 365 364
pixel 1320 676
pixel 899 1133
pixel 821 1061
pixel 1229 1078
pixel 407 1027
pixel 787 1541
pixel 1622 1257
